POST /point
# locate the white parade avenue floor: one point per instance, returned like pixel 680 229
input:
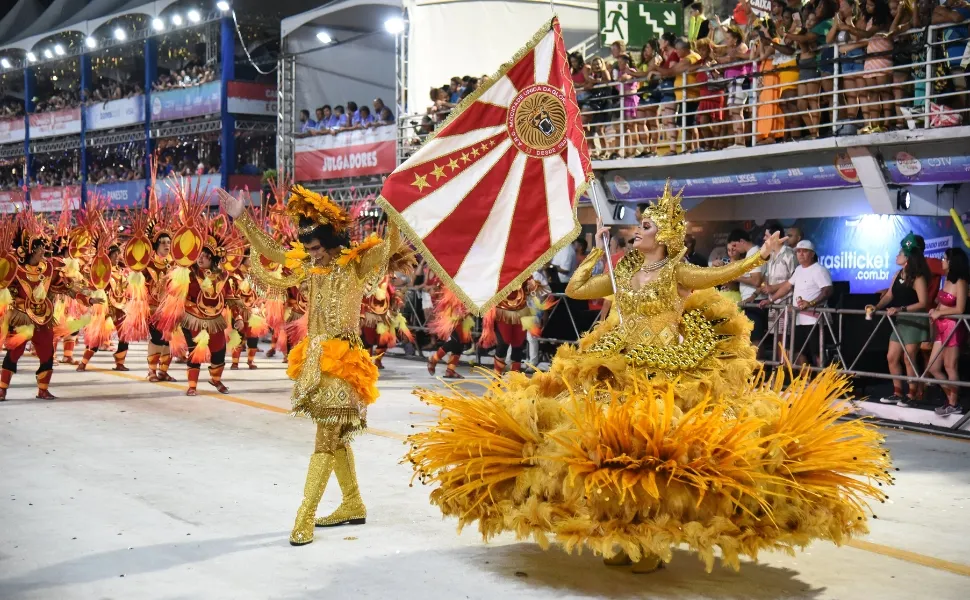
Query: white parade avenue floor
pixel 124 489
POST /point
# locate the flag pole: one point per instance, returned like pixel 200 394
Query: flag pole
pixel 606 250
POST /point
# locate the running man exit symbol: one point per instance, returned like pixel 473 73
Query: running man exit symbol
pixel 616 24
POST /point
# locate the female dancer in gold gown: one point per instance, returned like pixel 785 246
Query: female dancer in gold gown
pixel 335 376
pixel 657 430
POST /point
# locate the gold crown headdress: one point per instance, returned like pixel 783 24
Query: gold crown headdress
pixel 670 219
pixel 316 207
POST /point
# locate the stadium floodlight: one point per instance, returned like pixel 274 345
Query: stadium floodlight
pixel 394 26
pixel 31 57
pixel 194 16
pixel 90 42
pixel 120 34
pixel 48 54
pixel 223 6
pixel 324 37
pixel 4 63
pixel 59 50
pixel 176 19
pixel 158 24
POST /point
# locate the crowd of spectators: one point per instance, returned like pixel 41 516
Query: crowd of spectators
pixel 107 89
pixel 10 177
pixel 189 76
pixel 699 92
pixel 188 158
pixel 11 108
pixel 56 170
pixel 58 100
pixel 98 173
pixel 331 120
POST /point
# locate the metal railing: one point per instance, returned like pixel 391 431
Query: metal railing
pixel 663 115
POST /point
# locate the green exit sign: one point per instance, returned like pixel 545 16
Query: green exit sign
pixel 637 22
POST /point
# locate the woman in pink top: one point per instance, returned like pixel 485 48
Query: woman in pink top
pixel 950 333
pixel 878 66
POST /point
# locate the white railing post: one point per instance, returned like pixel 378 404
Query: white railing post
pixel 927 76
pixel 754 104
pixel 683 114
pixel 622 145
pixel 836 71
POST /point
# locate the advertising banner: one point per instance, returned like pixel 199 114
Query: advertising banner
pixel 116 113
pixel 347 154
pixel 52 199
pixel 12 130
pixel 11 201
pixel 60 122
pixel 188 102
pixel 247 98
pixel 859 250
pixel 122 194
pixel 839 173
pixel 937 168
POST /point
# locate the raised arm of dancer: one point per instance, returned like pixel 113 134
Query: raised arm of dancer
pixel 698 278
pixel 262 242
pixel 583 285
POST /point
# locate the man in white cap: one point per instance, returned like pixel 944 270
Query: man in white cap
pixel 810 286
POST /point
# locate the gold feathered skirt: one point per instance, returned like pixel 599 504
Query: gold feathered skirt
pixel 598 454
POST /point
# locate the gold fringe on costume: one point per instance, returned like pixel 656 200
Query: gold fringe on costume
pixel 627 468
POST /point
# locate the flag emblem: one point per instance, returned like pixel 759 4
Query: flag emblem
pixel 537 121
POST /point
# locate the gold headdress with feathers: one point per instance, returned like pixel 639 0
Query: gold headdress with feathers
pixel 318 208
pixel 670 219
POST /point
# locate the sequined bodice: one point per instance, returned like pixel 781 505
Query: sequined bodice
pixel 335 297
pixel 946 298
pixel 651 314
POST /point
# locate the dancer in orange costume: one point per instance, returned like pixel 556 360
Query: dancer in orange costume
pixel 506 325
pixel 160 236
pixel 31 282
pixel 246 304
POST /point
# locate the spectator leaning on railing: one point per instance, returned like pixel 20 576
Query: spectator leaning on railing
pixel 909 293
pixel 950 334
pixel 810 286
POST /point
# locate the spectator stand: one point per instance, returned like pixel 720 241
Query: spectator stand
pixel 339 55
pixel 146 74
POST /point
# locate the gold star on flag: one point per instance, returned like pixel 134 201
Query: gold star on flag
pixel 453 165
pixel 438 172
pixel 475 152
pixel 484 147
pixel 420 182
pixel 492 143
pixel 464 157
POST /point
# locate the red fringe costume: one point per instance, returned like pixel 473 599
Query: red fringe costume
pixel 31 289
pixel 506 325
pixel 158 232
pixel 451 323
pixel 246 304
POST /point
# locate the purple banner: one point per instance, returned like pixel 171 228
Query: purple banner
pixel 905 168
pixel 626 185
pixel 188 102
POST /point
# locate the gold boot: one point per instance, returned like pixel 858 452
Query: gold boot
pixel 321 465
pixel 648 563
pixel 351 510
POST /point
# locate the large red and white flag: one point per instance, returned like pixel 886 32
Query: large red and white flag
pixel 491 196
